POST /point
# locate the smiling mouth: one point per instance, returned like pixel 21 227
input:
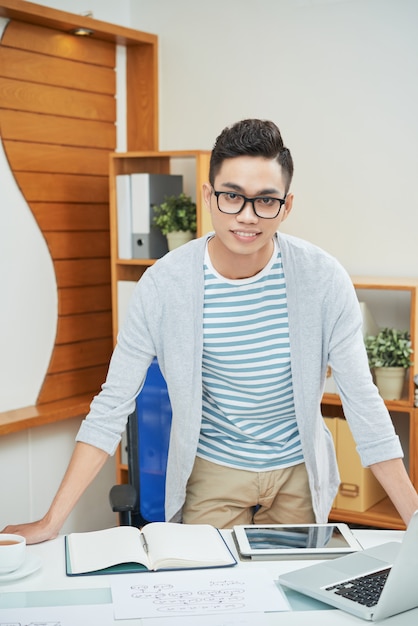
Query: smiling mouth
pixel 243 233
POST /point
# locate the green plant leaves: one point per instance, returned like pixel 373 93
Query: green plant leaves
pixel 389 348
pixel 175 213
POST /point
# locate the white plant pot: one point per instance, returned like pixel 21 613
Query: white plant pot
pixel 178 238
pixel 390 381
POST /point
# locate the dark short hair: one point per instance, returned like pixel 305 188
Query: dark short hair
pixel 251 137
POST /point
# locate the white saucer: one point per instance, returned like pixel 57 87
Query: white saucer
pixel 31 565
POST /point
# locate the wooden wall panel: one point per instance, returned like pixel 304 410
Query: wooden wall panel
pixel 82 272
pixel 47 70
pixel 26 36
pixel 80 355
pixel 72 300
pixel 81 245
pixel 83 327
pixel 75 382
pixel 57 124
pixel 142 75
pixel 38 98
pixel 44 157
pixel 60 216
pixel 54 129
pixel 43 187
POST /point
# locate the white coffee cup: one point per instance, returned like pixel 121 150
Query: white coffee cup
pixel 12 552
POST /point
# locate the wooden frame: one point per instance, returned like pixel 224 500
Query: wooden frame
pixel 142 60
pixel 142 131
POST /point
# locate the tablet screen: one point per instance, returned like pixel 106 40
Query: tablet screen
pixel 296 537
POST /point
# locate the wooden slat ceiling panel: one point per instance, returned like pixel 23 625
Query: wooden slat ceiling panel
pixel 57 123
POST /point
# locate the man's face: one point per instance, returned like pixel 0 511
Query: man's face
pixel 246 234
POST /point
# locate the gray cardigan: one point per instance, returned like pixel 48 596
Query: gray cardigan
pixel 325 326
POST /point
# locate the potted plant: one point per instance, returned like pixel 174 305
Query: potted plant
pixel 389 353
pixel 176 218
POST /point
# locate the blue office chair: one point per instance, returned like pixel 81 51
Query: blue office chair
pixel 148 435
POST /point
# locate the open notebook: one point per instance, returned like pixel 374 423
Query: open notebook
pixel 157 546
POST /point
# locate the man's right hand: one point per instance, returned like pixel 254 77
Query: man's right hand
pixel 34 532
pixel 85 464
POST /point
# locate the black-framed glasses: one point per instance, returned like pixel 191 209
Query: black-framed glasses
pixel 263 206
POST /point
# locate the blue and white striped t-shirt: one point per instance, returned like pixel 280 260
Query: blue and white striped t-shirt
pixel 248 410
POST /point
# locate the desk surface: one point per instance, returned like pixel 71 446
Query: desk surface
pixel 49 586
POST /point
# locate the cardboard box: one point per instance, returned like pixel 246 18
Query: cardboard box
pixel 359 489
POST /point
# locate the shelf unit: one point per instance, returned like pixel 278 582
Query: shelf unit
pixel 393 302
pixel 194 166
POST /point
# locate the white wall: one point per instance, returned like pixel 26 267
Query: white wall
pixel 28 315
pixel 340 80
pixel 32 465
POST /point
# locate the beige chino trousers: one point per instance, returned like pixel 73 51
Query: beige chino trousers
pixel 224 496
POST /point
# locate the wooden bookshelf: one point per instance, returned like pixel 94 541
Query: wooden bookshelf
pixel 388 298
pixel 151 162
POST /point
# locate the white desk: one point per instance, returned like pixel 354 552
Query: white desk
pixel 51 587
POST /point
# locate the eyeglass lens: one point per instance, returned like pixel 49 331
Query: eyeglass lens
pixel 264 206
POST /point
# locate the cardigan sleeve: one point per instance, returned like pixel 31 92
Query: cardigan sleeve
pixel 131 358
pixel 364 409
pixel 325 324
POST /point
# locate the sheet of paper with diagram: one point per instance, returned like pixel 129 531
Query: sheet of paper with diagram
pixel 165 594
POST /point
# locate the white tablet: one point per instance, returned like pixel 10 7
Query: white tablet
pixel 296 540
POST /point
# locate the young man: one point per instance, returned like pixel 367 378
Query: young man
pixel 244 323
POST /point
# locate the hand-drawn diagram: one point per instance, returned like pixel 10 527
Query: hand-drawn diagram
pixel 221 595
pixel 197 592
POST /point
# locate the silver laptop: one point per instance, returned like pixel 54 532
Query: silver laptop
pixel 373 584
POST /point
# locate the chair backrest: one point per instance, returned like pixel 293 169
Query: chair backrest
pixel 148 440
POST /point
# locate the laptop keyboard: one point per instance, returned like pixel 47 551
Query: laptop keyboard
pixel 364 590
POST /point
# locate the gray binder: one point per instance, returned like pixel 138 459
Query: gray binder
pixel 148 190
